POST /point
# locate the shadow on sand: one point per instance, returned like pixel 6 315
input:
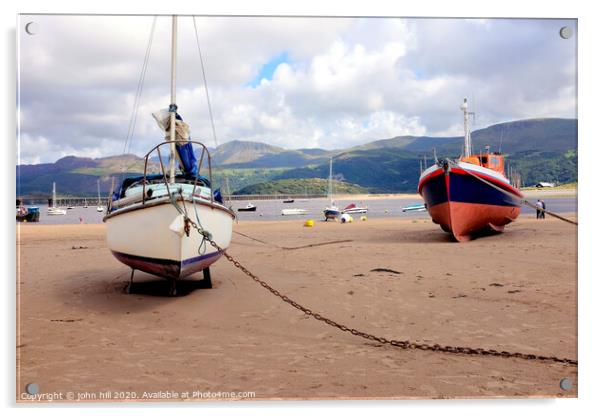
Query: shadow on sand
pixel 151 286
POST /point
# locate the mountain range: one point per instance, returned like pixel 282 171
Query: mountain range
pixel 540 149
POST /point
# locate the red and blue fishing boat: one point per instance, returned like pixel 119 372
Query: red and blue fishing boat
pixel 471 194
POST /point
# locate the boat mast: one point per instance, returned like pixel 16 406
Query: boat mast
pixel 53 194
pixel 467 138
pixel 330 183
pixel 173 107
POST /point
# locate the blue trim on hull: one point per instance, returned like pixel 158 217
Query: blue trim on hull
pixel 466 188
pixel 463 188
pixel 434 191
pixel 169 269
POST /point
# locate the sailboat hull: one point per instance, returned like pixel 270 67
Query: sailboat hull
pixel 144 238
pixel 331 214
pixel 464 205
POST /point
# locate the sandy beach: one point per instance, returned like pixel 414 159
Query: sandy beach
pixel 81 336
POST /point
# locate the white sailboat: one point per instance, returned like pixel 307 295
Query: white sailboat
pixel 99 207
pixel 332 212
pixel 54 210
pixel 149 218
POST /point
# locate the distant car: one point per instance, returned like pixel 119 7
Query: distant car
pixel 545 185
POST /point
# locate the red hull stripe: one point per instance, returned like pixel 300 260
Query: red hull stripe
pixel 429 177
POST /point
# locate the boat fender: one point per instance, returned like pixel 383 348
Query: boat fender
pixel 178 226
pixel 346 218
pixel 149 193
pixel 363 218
pixel 309 223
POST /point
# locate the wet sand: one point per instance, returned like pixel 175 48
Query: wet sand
pixel 80 333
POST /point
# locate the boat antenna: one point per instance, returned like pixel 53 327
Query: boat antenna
pixel 501 138
pixel 198 45
pixel 467 138
pixel 172 106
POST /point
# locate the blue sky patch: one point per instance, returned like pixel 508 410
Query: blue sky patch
pixel 267 70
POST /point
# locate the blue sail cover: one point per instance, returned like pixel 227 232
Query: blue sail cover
pixel 187 158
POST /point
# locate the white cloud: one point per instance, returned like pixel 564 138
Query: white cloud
pixel 346 81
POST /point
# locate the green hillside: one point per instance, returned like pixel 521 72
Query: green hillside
pixel 311 186
pixel 539 149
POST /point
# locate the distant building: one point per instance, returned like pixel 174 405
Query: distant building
pixel 545 185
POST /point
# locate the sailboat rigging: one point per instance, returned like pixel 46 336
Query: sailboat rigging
pixel 53 209
pixel 99 207
pixel 332 212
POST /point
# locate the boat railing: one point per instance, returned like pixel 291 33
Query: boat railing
pixel 157 149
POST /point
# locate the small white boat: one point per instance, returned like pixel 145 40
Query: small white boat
pixel 294 211
pixel 249 208
pixel 417 207
pixel 354 209
pixel 54 210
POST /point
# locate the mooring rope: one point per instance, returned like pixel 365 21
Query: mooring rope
pixel 132 125
pixel 294 247
pixel 523 201
pixel 198 44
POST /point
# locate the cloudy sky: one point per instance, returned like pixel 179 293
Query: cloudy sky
pixel 291 82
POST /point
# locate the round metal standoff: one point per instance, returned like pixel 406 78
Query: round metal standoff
pixel 566 384
pixel 31 28
pixel 566 32
pixel 32 388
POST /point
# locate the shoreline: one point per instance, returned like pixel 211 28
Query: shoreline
pixel 530 193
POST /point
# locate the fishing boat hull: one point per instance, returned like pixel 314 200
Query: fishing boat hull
pixel 252 209
pixel 145 238
pixel 465 200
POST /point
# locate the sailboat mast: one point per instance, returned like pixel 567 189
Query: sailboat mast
pixel 467 138
pixel 173 107
pixel 53 194
pixel 330 182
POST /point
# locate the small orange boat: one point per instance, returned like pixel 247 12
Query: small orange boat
pixel 472 194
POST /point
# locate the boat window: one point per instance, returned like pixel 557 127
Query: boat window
pixel 493 162
pixel 483 160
